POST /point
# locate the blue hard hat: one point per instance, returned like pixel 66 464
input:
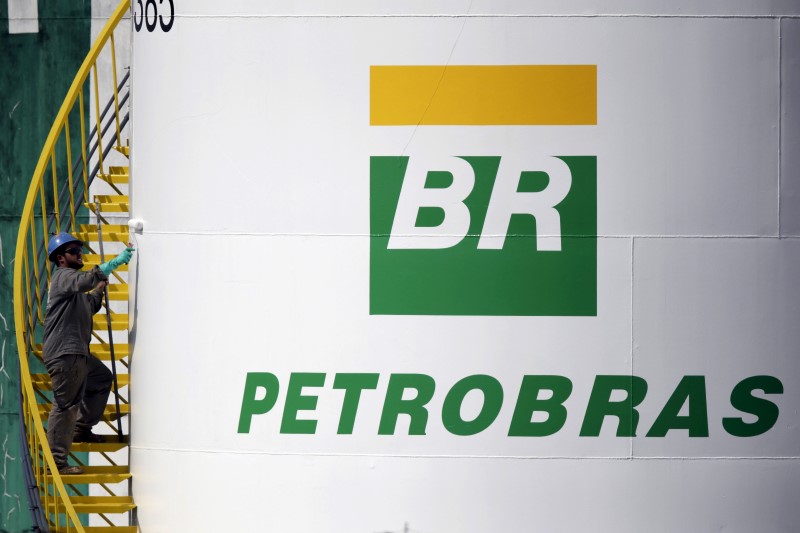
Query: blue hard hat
pixel 57 242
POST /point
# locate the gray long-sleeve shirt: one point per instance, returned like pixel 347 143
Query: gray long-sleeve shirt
pixel 68 319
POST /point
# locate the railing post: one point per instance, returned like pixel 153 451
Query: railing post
pixel 97 117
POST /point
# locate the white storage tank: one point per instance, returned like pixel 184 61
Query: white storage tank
pixel 466 266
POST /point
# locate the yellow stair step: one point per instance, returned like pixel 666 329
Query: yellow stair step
pixel 118 291
pixel 119 322
pixel 98 504
pixel 109 203
pixel 111 232
pixel 109 413
pixel 124 150
pixel 42 381
pixel 115 175
pixel 99 474
pixel 92 260
pixel 104 447
pixel 101 351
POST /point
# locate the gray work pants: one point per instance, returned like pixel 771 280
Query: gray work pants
pixel 81 385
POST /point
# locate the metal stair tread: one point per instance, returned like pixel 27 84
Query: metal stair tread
pixel 42 381
pixel 108 207
pixel 111 232
pixel 115 203
pixel 88 236
pixel 98 504
pixel 117 291
pixel 109 413
pixel 116 175
pixel 119 321
pixel 111 198
pixel 101 351
pixel 98 447
pixel 99 474
pixel 106 227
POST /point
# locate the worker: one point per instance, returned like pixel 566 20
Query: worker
pixel 81 383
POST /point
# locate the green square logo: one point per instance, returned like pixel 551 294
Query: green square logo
pixel 483 235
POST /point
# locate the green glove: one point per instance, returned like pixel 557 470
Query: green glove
pixel 122 259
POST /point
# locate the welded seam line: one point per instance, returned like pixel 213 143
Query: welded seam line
pixel 513 235
pixel 451 456
pixel 475 15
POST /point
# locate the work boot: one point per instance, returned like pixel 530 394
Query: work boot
pixel 87 436
pixel 69 470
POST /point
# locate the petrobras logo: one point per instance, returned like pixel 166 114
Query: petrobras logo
pixel 507 234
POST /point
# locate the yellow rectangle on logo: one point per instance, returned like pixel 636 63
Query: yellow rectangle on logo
pixel 483 95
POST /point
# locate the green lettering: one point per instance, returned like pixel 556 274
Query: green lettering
pixel 743 400
pixel 250 405
pixel 691 389
pixel 528 403
pixel 600 405
pixel 413 407
pixel 295 401
pixel 492 402
pixel 352 384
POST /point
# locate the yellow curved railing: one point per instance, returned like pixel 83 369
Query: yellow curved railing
pixel 53 204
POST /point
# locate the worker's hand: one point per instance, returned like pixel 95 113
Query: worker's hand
pixel 125 256
pixel 122 259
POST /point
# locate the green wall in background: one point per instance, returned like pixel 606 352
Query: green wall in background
pixel 36 69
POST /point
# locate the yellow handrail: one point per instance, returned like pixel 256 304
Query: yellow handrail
pixel 28 312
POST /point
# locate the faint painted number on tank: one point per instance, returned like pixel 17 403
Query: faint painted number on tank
pixel 147 14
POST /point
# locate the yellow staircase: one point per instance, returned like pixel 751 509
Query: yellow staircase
pixel 79 153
